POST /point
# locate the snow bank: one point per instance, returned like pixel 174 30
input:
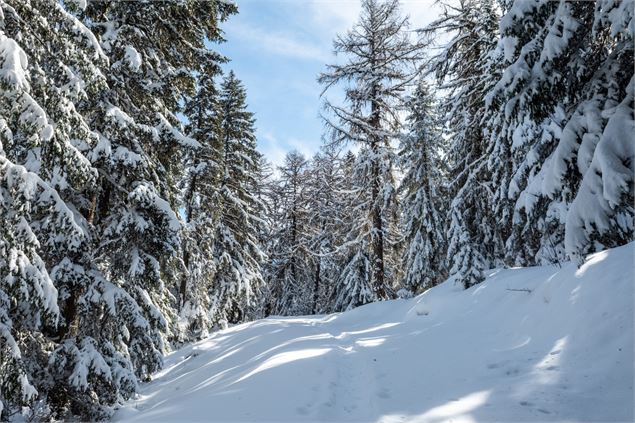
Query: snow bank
pixel 534 344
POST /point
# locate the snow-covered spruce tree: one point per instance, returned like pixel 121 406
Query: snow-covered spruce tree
pixel 291 265
pixel 325 186
pixel 200 199
pixel 351 286
pixel 154 51
pixel 463 68
pixel 515 127
pixel 104 334
pixel 138 157
pixel 272 227
pixel 423 209
pixel 28 298
pixel 601 214
pixel 266 192
pixel 236 251
pixel 46 183
pixel 38 165
pixel 381 61
pixel 567 68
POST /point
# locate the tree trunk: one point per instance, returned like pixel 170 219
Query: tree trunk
pixel 183 287
pixel 186 253
pixel 103 207
pixel 377 233
pixel 377 240
pixel 316 286
pixel 92 211
pixel 70 314
pixel 294 235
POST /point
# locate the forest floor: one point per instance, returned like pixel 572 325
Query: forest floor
pixel 533 344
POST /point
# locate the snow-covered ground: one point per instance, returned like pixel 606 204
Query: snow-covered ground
pixel 562 351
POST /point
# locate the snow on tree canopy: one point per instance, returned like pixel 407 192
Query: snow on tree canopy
pixel 604 205
pixel 14 63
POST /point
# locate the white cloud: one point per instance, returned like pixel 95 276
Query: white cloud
pixel 307 149
pixel 337 16
pixel 277 43
pixel 273 150
pixel 276 149
pixel 333 16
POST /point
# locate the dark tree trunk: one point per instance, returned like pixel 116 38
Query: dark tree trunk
pixel 186 253
pixel 377 240
pixel 377 234
pixel 103 207
pixel 92 211
pixel 316 286
pixel 70 313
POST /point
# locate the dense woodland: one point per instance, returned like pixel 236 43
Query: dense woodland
pixel 136 213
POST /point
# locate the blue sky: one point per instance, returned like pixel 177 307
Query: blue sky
pixel 277 48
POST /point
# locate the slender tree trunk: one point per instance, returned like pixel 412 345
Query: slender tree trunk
pixel 377 234
pixel 69 310
pixel 92 211
pixel 103 207
pixel 294 228
pixel 183 287
pixel 186 253
pixel 316 286
pixel 70 314
pixel 377 239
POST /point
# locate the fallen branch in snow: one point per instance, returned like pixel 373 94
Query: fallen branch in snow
pixel 520 289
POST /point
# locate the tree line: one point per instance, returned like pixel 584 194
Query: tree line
pixel 501 134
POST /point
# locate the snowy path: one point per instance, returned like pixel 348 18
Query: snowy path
pixel 564 351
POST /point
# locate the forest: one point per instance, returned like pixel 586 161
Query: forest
pixel 137 214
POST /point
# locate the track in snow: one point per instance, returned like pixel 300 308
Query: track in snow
pixel 563 351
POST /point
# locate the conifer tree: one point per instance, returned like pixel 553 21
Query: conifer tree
pixel 463 67
pixel 200 199
pixel 567 66
pixel 237 254
pixel 88 128
pixel 291 262
pixel 421 186
pixel 265 192
pixel 382 60
pixel 601 214
pixel 326 208
pixel 351 287
pixel 151 70
pixel 47 181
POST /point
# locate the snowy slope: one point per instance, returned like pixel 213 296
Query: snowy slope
pixel 563 351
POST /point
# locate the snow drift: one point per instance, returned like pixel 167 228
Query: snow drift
pixel 532 344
